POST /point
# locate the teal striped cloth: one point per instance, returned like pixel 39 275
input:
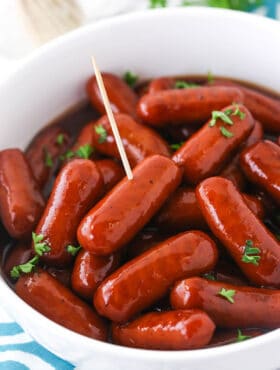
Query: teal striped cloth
pixel 18 351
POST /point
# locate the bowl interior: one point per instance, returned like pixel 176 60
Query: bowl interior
pixel 153 43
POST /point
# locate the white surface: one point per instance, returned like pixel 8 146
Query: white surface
pixel 193 40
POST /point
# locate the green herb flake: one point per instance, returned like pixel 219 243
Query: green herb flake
pixel 67 155
pixel 240 337
pixel 73 250
pixel 176 146
pixel 60 139
pixel 24 268
pixel 101 131
pixel 40 246
pixel 225 132
pixel 223 116
pixel 84 151
pixel 130 78
pixel 251 253
pixel 238 112
pixel 227 294
pixel 185 85
pixel 48 158
pixel 210 276
pixel 210 77
pixel 158 4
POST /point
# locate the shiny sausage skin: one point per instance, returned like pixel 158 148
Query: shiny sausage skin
pixel 171 330
pixel 90 270
pixel 181 106
pixel 252 307
pixel 122 213
pixel 21 203
pixel 142 281
pixel 207 151
pixel 261 164
pixel 77 187
pixel 144 241
pixel 111 172
pixel 233 173
pixel 255 205
pixel 122 98
pixel 139 141
pixel 160 84
pixel 263 108
pixel 45 143
pixel 44 293
pixel 181 211
pixel 255 136
pixel 234 223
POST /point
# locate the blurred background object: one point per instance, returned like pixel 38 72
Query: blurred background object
pixel 27 24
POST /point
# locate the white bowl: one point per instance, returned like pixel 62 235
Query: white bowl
pixel 153 43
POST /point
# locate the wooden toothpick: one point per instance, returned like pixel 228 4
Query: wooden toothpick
pixel 112 120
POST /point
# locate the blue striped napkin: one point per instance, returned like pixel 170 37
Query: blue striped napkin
pixel 18 351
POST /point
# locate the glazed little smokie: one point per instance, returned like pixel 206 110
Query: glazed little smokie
pixel 181 106
pixel 77 187
pixel 261 164
pixel 173 330
pixel 90 270
pixel 105 251
pixel 252 246
pixel 105 228
pixel 146 279
pixel 211 147
pixel 139 141
pixel 229 306
pixel 122 98
pixel 21 202
pixel 63 306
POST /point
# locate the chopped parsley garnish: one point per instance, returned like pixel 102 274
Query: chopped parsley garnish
pixel 251 253
pixel 48 158
pixel 73 250
pixel 210 276
pixel 67 155
pixel 130 78
pixel 227 294
pixel 210 77
pixel 84 151
pixel 185 85
pixel 40 247
pixel 225 117
pixel 225 132
pixel 100 130
pixel 60 139
pixel 240 337
pixel 176 146
pixel 238 112
pixel 25 268
pixel 158 4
